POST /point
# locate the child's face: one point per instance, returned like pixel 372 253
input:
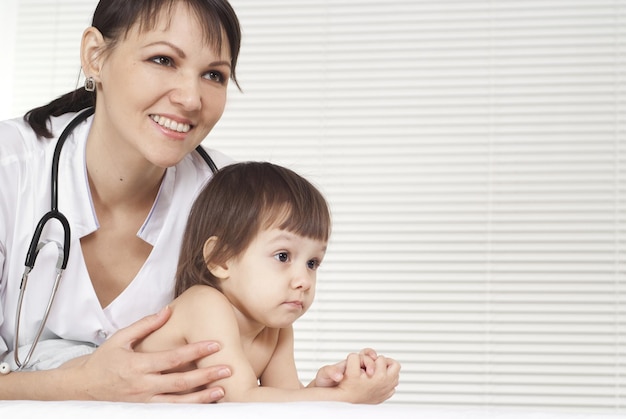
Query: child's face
pixel 273 281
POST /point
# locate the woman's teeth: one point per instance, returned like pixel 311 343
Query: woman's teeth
pixel 170 124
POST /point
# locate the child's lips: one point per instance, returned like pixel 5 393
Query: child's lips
pixel 295 304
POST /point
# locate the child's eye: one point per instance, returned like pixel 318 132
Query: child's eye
pixel 282 256
pixel 215 76
pixel 313 264
pixel 162 60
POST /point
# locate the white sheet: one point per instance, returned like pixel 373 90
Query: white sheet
pixel 300 410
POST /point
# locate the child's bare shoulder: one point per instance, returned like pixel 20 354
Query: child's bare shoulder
pixel 195 311
pixel 201 297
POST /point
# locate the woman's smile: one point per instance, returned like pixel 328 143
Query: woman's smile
pixel 170 124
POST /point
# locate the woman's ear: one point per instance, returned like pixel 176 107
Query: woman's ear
pixel 219 270
pixel 91 48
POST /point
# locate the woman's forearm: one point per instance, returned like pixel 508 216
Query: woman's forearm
pixel 115 372
pixel 42 385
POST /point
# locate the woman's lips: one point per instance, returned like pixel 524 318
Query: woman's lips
pixel 171 124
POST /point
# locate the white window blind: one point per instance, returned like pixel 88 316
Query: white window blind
pixel 473 155
pixel 47 62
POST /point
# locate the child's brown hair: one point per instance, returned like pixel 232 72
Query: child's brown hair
pixel 238 202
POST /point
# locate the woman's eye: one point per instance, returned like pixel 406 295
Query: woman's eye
pixel 215 76
pixel 161 60
pixel 282 256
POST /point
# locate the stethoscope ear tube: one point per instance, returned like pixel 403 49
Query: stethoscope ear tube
pixel 36 244
pixel 64 249
pixel 54 212
pixel 56 157
pixel 209 161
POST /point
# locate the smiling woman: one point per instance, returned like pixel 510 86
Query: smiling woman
pixel 156 76
pixel 160 79
pixel 125 185
pixel 472 152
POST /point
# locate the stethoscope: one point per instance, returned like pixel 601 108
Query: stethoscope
pixel 37 244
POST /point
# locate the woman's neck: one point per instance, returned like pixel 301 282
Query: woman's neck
pixel 119 178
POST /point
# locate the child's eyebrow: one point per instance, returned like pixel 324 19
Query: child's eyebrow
pixel 285 235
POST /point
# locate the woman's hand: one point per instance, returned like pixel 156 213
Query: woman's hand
pixel 115 372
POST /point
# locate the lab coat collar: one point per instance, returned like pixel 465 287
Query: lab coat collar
pixel 151 228
pixel 74 194
pixel 75 199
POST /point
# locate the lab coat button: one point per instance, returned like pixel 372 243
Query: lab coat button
pixel 103 334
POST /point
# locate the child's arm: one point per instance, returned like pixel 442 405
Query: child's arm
pixel 281 371
pixel 208 315
pixel 356 385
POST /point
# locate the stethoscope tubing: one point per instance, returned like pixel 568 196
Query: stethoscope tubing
pixel 36 245
pixel 54 212
pixel 64 249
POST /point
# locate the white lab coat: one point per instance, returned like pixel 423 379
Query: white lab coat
pixel 25 178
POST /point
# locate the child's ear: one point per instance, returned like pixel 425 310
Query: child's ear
pixel 218 270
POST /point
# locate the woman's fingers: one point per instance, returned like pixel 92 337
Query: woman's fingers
pixel 211 395
pixel 165 360
pixel 160 362
pixel 141 328
pixel 116 372
pixel 192 383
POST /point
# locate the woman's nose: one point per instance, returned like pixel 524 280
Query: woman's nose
pixel 187 93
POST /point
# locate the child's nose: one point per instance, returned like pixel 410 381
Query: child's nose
pixel 302 279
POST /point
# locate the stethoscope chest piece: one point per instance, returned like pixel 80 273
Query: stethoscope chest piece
pixel 4 368
pixel 37 244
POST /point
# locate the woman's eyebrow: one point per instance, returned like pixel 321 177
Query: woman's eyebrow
pixel 226 63
pixel 182 54
pixel 178 51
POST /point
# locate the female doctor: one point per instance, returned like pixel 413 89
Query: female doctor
pixel 157 73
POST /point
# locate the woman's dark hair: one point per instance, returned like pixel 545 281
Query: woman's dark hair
pixel 115 18
pixel 235 205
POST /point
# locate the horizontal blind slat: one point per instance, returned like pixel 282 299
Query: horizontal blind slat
pixel 473 156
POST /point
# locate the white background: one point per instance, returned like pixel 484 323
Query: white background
pixel 8 12
pixel 473 155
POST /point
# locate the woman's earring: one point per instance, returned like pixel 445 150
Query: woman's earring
pixel 90 84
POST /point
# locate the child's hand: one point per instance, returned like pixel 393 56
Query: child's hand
pixel 331 375
pixel 361 387
pixel 368 358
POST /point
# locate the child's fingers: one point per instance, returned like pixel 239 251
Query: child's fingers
pixel 370 353
pixel 367 364
pixel 353 365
